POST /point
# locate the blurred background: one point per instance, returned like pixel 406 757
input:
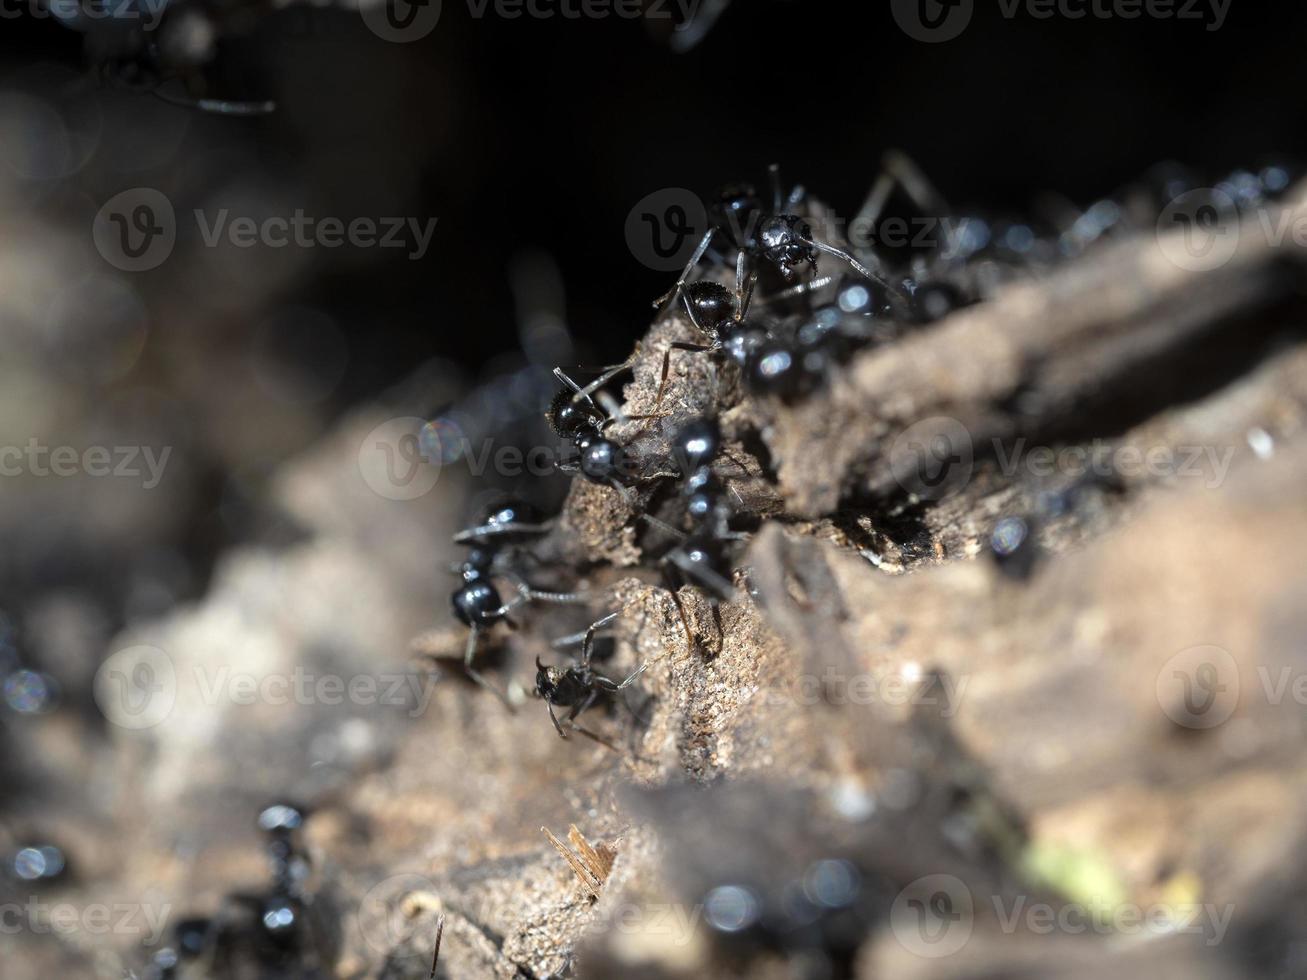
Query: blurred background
pixel 530 141
pixel 525 138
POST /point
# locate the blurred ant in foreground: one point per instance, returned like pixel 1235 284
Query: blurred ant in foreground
pixel 477 603
pixel 271 926
pixel 966 255
pixel 151 59
pixel 578 686
pixel 777 237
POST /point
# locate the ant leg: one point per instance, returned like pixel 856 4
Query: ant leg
pixel 914 181
pixel 804 287
pixel 490 530
pixel 675 292
pixel 557 598
pixel 573 726
pixel 527 594
pixel 612 409
pixel 710 579
pixel 587 645
pixel 581 637
pixel 220 107
pixel 774 174
pixel 440 933
pixel 612 687
pixel 898 170
pixel 670 583
pixel 667 363
pixel 554 718
pixel 663 526
pixel 745 299
pixel 580 393
pixel 474 634
pixel 606 375
pixel 861 269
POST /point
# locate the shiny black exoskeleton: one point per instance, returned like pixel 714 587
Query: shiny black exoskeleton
pixel 267 928
pixel 478 603
pixel 785 240
pixel 778 237
pixel 570 417
pixel 701 558
pixel 577 686
pixel 792 366
pixel 603 461
pixel 574 415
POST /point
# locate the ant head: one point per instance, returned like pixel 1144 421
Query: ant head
pixel 547 680
pixel 786 241
pixel 569 417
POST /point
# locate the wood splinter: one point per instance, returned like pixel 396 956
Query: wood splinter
pixel 589 863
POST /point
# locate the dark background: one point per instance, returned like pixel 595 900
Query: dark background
pixel 544 133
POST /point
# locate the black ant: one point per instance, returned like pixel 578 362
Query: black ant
pixel 139 64
pixel 968 255
pixel 275 928
pixel 578 686
pixel 792 366
pixel 700 557
pixel 574 415
pixel 779 237
pixel 477 603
